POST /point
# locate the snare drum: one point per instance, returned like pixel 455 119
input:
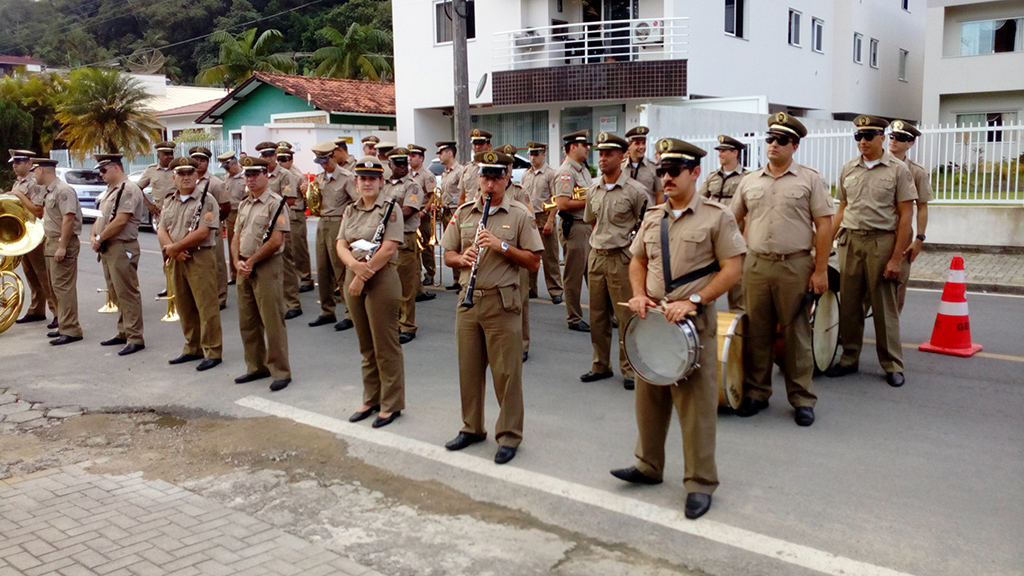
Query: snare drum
pixel 731 328
pixel 825 330
pixel 659 351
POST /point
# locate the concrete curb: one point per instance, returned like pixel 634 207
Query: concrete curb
pixel 971 286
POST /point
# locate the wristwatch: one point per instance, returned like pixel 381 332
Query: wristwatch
pixel 920 237
pixel 698 302
pixel 504 247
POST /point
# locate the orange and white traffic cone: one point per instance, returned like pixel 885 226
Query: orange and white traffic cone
pixel 952 332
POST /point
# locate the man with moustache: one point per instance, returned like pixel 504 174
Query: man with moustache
pixel 639 168
pixel 537 181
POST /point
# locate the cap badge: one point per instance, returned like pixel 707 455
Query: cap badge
pixel 476 132
pixel 664 145
pixel 721 139
pixel 898 125
pixel 247 161
pixel 861 120
pixel 641 130
pixel 602 137
pixel 490 157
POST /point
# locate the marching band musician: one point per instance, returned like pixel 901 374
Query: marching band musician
pixel 341 155
pixel 62 224
pixel 901 139
pixel 281 182
pixel 537 181
pixel 189 224
pixel 697 237
pixel 300 245
pixel 574 233
pixel 640 168
pixel 520 195
pixel 234 187
pixel 720 186
pixel 418 171
pixel 411 199
pixel 446 152
pixel 489 331
pixel 159 179
pixel 205 180
pixel 32 196
pixel 615 204
pixel 367 245
pixel 337 190
pixel 786 211
pixel 468 181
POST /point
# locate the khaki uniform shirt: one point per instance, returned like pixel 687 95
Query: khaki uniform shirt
pixel 60 199
pixel 469 181
pixel 571 174
pixel 30 189
pixel 337 191
pixel 234 186
pixel 644 173
pixel 131 203
pixel 921 181
pixel 450 186
pixel 518 193
pixel 301 185
pixel 410 195
pixel 537 184
pixel 350 164
pixel 178 213
pixel 720 186
pixel 511 221
pixel 216 189
pixel 705 231
pixel 614 212
pixel 253 220
pixel 780 211
pixel 282 182
pixel 873 194
pixel 160 182
pixel 360 223
pixel 427 181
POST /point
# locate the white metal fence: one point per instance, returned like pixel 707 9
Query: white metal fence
pixel 141 162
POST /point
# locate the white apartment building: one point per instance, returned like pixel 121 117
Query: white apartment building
pixel 974 65
pixel 541 68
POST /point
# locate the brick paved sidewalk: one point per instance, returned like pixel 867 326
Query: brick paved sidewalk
pixel 69 522
pixel 985 272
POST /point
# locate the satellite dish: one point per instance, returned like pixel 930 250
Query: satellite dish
pixel 481 85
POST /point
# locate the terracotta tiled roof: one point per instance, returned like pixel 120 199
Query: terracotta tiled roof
pixel 334 95
pixel 197 108
pixel 20 60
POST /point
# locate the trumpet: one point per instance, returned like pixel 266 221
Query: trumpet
pixel 109 307
pixel 579 193
pixel 172 313
pixel 314 198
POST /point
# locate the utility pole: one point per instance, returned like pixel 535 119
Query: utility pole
pixel 460 11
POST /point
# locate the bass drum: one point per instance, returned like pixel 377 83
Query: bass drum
pixel 825 330
pixel 731 328
pixel 660 352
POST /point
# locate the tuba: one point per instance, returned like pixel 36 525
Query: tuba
pixel 20 233
pixel 314 197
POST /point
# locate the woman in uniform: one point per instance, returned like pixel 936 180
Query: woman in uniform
pixel 373 292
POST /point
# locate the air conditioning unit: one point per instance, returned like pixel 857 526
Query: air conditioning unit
pixel 648 31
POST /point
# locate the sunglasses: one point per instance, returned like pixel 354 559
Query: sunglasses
pixel 185 172
pixel 869 136
pixel 782 140
pixel 901 138
pixel 254 174
pixel 673 171
pixel 103 170
pixel 267 155
pixel 535 152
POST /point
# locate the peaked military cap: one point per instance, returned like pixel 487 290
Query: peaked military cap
pixel 341 142
pixel 183 163
pixel 493 162
pixel 104 159
pixel 284 151
pixel 21 155
pixel 579 136
pixel 323 151
pixel 416 149
pixel 445 144
pixel 398 155
pixel 266 147
pixel 384 147
pixel 226 157
pixel 729 143
pixel 369 166
pixel 606 141
pixel 251 165
pixel 904 127
pixel 165 146
pixel 507 149
pixel 370 139
pixel 284 144
pixel 785 125
pixel 536 146
pixel 478 135
pixel 48 162
pixel 638 133
pixel 675 151
pixel 868 122
pixel 200 151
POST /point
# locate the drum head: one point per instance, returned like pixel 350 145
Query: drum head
pixel 825 330
pixel 731 328
pixel 659 351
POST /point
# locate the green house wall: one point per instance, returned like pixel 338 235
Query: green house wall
pixel 255 109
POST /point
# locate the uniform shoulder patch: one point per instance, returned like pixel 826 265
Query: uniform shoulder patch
pixel 565 177
pixel 208 217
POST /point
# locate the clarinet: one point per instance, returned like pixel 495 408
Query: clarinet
pixel 378 235
pixel 199 209
pixel 468 301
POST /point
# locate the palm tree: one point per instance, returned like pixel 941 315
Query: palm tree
pixel 104 110
pixel 244 54
pixel 364 52
pixel 38 95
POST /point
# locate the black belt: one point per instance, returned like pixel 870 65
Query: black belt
pixel 775 257
pixel 868 232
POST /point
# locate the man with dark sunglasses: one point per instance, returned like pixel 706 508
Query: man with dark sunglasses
pixel 786 211
pixel 901 139
pixel 876 196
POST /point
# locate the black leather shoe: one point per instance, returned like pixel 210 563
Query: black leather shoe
pixel 359 416
pixel 840 370
pixel 322 320
pixel 428 281
pixel 245 378
pixel 292 314
pixel 184 358
pixel 804 416
pixel 580 326
pixel 526 356
pixel 231 282
pixel 379 422
pixel 628 383
pixel 455 286
pixel 615 322
pixel 207 364
pixel 750 406
pixel 115 341
pixel 54 334
pixel 280 384
pixel 426 297
pixel 131 349
pixel 64 339
pixel 635 476
pixel 556 299
pixel 53 325
pixel 30 318
pixel 895 379
pixel 462 440
pixel 162 293
pixel 595 376
pixel 504 455
pixel 533 294
pixel 406 337
pixel 345 324
pixel 223 306
pixel 307 288
pixel 697 504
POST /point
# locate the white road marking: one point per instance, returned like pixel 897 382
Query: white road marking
pixel 788 552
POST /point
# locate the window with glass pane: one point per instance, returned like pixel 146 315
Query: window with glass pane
pixel 794 28
pixel 858 43
pixel 817 31
pixel 443 21
pixel 873 53
pixel 903 64
pixel 991 36
pixel 734 17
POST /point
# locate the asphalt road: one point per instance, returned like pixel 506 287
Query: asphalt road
pixel 926 479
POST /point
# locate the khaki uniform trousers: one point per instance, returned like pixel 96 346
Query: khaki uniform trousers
pixel 64 280
pixel 329 270
pixel 34 266
pixel 486 334
pixel 301 246
pixel 290 274
pixel 428 256
pixel 261 314
pixel 221 262
pixel 412 284
pixel 195 300
pixel 122 273
pixel 524 278
pixel 608 280
pixel 375 316
pixel 447 214
pixel 230 224
pixel 862 284
pixel 576 248
pixel 775 296
pixel 696 404
pixel 736 302
pixel 901 289
pixel 549 259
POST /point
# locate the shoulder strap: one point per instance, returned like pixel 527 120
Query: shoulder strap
pixel 273 221
pixel 117 201
pixel 666 263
